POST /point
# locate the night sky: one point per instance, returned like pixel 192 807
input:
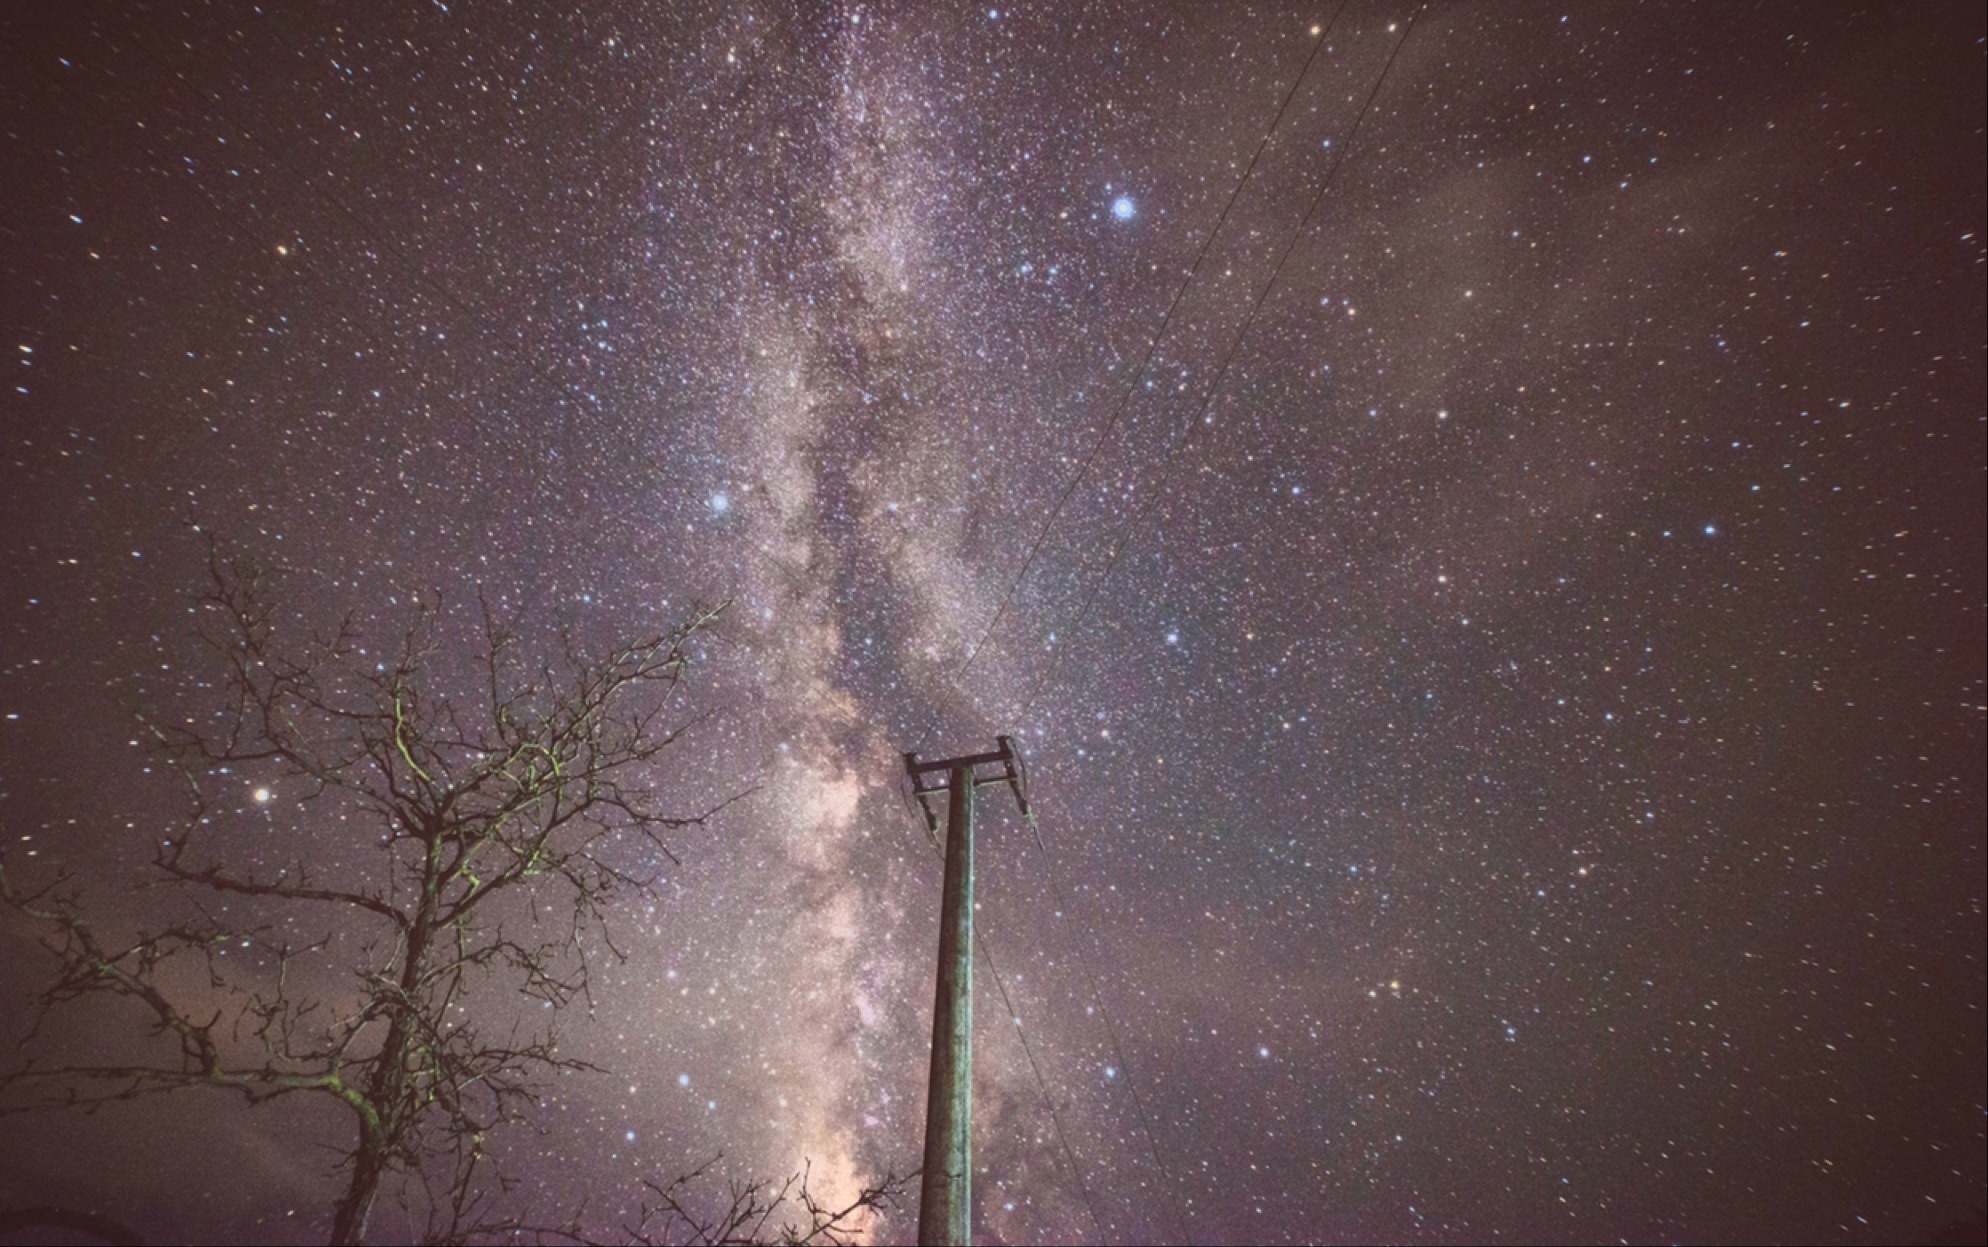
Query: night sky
pixel 1497 633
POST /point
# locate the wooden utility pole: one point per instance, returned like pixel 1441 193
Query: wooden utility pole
pixel 945 1196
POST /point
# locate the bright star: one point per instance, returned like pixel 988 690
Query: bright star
pixel 1122 208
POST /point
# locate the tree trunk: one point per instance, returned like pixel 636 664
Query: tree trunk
pixel 348 1227
pixel 387 1089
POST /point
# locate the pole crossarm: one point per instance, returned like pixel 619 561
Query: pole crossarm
pixel 1011 774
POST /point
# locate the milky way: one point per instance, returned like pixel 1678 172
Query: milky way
pixel 1496 628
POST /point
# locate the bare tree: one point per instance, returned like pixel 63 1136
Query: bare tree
pixel 476 844
pixel 691 1211
pixel 759 1212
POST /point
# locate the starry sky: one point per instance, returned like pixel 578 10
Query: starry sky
pixel 1487 572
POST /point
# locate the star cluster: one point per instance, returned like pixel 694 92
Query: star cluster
pixel 1474 514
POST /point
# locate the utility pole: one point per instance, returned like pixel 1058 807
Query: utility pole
pixel 945 1195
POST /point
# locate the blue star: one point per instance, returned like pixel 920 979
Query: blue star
pixel 1123 209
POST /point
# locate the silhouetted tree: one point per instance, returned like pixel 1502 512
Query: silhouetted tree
pixel 470 846
pixel 688 1211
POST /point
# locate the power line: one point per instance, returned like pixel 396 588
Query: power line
pixel 1117 1048
pixel 1187 432
pixel 1055 1117
pixel 1120 542
pixel 1152 345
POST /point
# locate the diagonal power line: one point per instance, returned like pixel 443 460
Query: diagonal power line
pixel 1152 345
pixel 1119 544
pixel 1187 432
pixel 1055 1117
pixel 1117 1048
